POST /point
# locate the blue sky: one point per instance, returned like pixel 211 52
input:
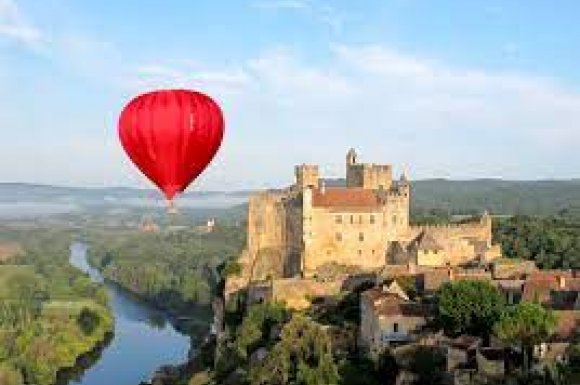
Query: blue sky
pixel 458 89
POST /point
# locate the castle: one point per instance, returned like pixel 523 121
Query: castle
pixel 298 230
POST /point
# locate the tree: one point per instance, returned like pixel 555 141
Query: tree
pixel 387 367
pixel 428 364
pixel 302 356
pixel 471 307
pixel 526 324
pixel 256 327
pixel 88 320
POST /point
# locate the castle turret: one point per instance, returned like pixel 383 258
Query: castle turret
pixel 306 176
pixel 350 158
pixel 367 176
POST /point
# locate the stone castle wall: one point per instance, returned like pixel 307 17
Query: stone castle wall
pixel 298 293
pixel 266 234
pixel 288 236
pixel 480 230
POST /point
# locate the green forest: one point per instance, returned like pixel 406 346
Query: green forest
pixel 499 197
pixel 552 242
pixel 50 313
pixel 173 269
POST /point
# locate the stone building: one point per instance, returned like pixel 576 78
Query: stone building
pixel 389 317
pixel 364 222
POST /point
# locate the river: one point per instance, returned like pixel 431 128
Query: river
pixel 144 338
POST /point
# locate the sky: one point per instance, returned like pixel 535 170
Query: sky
pixel 440 89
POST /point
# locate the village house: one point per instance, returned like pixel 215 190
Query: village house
pixel 389 318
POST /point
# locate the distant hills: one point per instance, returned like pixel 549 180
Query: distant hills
pixel 539 197
pixel 542 197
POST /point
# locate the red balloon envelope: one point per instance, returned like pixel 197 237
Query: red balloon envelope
pixel 171 136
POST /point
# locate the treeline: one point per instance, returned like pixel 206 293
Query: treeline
pixel 50 313
pixel 174 270
pixel 552 242
pixel 505 197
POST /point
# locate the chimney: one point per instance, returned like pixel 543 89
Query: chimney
pixel 562 282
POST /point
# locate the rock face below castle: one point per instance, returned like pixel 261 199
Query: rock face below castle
pixel 298 230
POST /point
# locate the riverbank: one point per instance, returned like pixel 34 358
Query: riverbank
pixel 145 338
pixel 50 313
pixel 65 376
pixel 195 323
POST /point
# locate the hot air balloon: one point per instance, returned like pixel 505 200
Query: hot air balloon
pixel 171 136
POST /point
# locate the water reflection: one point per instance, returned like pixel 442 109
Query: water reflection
pixel 144 340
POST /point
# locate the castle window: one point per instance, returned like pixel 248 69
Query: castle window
pixel 372 220
pixel 395 327
pixel 360 219
pixel 360 252
pixel 338 219
pixel 338 237
pixel 351 219
pixel 373 251
pixel 361 237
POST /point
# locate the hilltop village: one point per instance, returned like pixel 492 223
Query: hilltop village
pixel 311 244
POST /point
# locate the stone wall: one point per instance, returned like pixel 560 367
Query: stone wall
pixel 369 176
pixel 477 230
pixel 297 293
pixel 352 235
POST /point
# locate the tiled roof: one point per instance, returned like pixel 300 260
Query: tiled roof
pixel 511 284
pixel 556 288
pixel 345 197
pixel 550 274
pixel 389 304
pixel 538 290
pixel 465 342
pixel 434 278
pixel 425 241
pixel 568 321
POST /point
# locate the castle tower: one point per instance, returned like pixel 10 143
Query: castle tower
pixel 403 184
pixel 352 174
pixel 367 176
pixel 350 158
pixel 306 176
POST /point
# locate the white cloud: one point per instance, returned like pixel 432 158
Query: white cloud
pixel 15 26
pixel 436 119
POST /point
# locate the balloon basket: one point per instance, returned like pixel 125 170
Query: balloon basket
pixel 172 209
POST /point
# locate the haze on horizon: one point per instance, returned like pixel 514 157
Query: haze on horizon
pixel 458 90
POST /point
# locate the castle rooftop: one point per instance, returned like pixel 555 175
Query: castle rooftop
pixel 344 197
